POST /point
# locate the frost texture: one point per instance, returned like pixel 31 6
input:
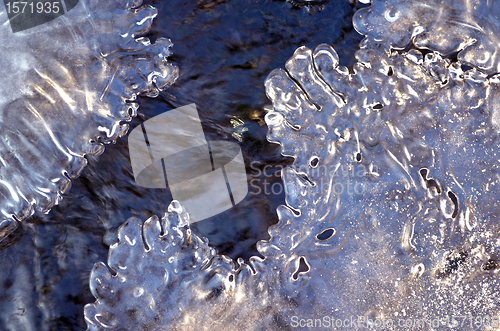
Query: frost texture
pixel 66 86
pixel 392 200
pixel 469 27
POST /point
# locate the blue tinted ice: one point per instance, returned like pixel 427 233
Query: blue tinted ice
pixel 391 203
pixel 67 87
pixel 467 27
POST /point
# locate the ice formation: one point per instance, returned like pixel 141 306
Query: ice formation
pixel 67 87
pixel 391 216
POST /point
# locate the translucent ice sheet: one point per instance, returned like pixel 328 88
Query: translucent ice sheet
pixel 467 27
pixel 67 87
pixel 392 210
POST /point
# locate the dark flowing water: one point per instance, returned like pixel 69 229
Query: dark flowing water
pixel 224 51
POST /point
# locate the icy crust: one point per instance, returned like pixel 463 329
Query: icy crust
pixel 161 276
pixel 148 261
pixel 402 173
pixel 469 27
pixel 391 209
pixel 66 87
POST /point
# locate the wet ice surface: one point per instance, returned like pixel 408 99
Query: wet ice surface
pixel 391 201
pixel 467 27
pixel 65 87
pixel 46 268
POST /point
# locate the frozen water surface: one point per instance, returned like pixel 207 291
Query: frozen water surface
pixel 392 208
pixel 392 199
pixel 224 52
pixel 67 87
